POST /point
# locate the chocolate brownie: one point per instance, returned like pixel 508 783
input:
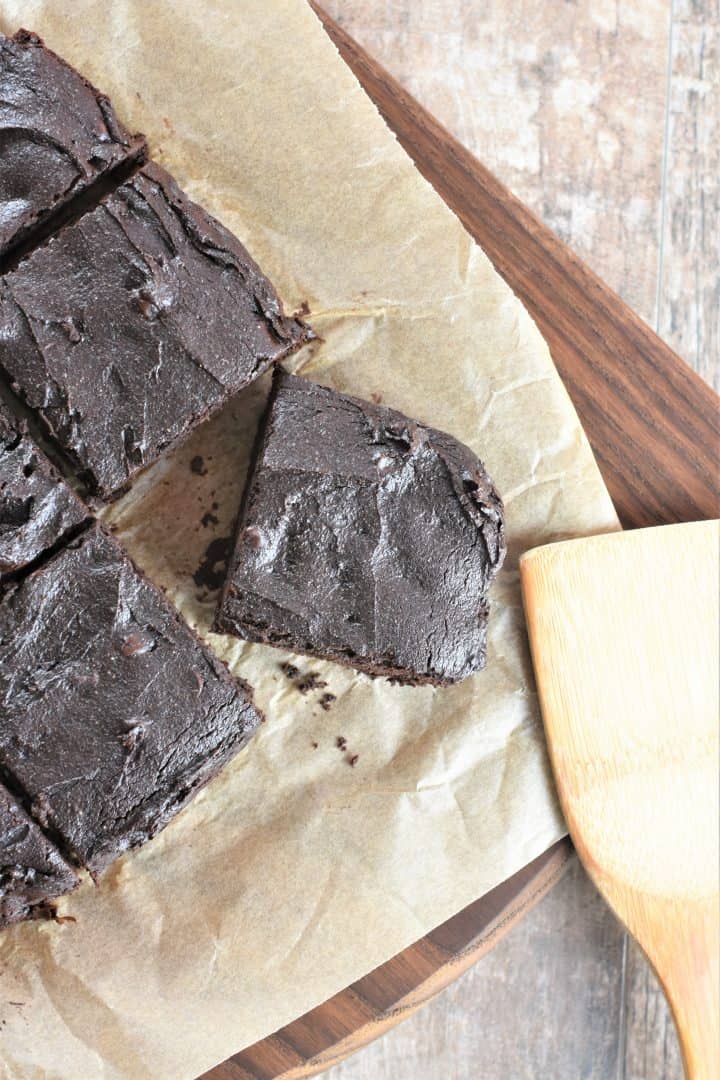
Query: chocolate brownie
pixel 57 136
pixel 112 712
pixel 364 537
pixel 32 870
pixel 134 324
pixel 37 508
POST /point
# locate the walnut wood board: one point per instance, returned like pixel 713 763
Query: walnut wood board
pixel 654 426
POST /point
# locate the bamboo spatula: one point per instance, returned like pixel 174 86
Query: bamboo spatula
pixel 624 637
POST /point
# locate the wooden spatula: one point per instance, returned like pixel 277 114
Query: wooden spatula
pixel 625 644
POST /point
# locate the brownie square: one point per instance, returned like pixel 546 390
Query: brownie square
pixel 37 508
pixel 112 712
pixel 32 870
pixel 364 537
pixel 57 135
pixel 133 325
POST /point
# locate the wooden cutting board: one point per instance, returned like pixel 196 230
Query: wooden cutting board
pixel 655 428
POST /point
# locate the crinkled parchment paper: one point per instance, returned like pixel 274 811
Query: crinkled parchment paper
pixel 293 873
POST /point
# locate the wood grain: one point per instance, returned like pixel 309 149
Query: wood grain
pixel 324 1035
pixel 689 286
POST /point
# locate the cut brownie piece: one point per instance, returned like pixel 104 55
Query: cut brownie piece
pixel 134 324
pixel 57 135
pixel 37 507
pixel 32 870
pixel 365 537
pixel 112 712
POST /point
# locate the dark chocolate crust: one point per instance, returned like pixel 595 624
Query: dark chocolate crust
pixel 133 325
pixel 112 712
pixel 32 870
pixel 57 136
pixel 37 508
pixel 365 537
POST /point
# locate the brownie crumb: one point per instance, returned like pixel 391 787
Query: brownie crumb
pixel 304 309
pixel 197 465
pixel 211 572
pixel 305 683
pixel 341 742
pixel 326 701
pixel 60 919
pixel 208 519
pixel 311 681
pixel 314 745
pixel 353 760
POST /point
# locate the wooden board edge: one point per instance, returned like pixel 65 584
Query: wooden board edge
pixel 351 1019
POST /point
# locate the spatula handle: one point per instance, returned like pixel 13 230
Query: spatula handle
pixel 692 984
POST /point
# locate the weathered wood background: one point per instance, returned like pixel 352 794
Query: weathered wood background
pixel 604 117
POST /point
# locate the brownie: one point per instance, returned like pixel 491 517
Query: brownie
pixel 37 508
pixel 364 537
pixel 32 870
pixel 57 135
pixel 112 712
pixel 135 323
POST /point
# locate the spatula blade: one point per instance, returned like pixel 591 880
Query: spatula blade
pixel 625 643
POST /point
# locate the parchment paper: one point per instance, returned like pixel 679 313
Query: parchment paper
pixel 293 874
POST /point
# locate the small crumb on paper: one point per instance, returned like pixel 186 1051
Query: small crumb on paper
pixel 311 681
pixel 210 574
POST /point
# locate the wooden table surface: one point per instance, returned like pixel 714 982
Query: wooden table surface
pixel 604 118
